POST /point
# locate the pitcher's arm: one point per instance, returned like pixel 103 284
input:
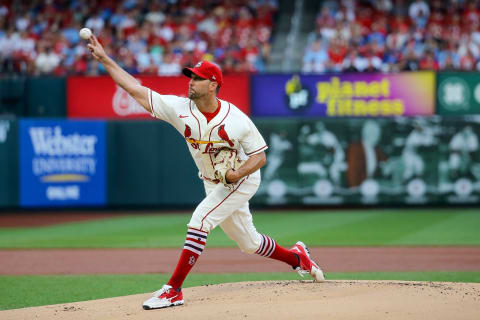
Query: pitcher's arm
pixel 120 76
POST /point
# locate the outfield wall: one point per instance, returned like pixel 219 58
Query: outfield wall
pixel 265 95
pixel 382 161
pixel 400 161
pixel 94 163
pixel 357 139
pixel 149 165
pixel 8 162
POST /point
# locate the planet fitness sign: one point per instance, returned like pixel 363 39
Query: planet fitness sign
pixel 344 95
pixel 62 163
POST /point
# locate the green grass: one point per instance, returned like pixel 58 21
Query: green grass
pixel 27 291
pixel 395 227
pixel 376 227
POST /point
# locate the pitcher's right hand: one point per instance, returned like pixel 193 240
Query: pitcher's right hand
pixel 96 49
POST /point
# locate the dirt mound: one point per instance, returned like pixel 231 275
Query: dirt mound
pixel 286 300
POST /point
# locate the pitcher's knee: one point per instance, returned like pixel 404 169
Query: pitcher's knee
pixel 250 246
pixel 198 224
pixel 249 249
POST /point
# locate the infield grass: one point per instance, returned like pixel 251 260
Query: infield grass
pixel 374 227
pixel 28 291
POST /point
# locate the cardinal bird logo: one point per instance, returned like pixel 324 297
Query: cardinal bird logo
pixel 187 134
pixel 188 131
pixel 223 135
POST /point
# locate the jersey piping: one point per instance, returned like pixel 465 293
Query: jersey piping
pixel 198 122
pixel 250 153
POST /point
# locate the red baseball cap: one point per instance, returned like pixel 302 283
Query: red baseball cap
pixel 207 70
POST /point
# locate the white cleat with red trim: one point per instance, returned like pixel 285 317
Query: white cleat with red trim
pixel 163 298
pixel 307 265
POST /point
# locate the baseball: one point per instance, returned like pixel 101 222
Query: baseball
pixel 85 33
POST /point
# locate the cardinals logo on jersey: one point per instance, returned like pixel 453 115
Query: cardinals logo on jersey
pixel 209 148
pixel 187 134
pixel 223 135
pixel 188 131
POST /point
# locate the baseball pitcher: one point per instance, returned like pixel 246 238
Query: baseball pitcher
pixel 228 151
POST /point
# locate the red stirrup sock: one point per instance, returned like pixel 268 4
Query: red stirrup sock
pixel 194 245
pixel 270 249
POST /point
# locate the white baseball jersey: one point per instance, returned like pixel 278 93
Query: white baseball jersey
pixel 230 128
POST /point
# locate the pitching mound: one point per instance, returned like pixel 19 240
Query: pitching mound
pixel 286 300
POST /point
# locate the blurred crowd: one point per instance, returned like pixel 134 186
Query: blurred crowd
pixel 160 37
pixel 395 35
pixel 157 37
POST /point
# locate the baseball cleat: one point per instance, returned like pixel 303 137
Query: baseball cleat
pixel 307 265
pixel 163 298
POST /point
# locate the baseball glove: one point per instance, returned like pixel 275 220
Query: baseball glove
pixel 226 159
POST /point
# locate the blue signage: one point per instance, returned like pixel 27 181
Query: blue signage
pixel 62 163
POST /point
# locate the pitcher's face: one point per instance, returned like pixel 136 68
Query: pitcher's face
pixel 197 87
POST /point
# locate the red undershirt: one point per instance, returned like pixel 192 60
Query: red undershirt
pixel 211 115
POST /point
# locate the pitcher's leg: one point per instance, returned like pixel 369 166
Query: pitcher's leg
pixel 240 228
pixel 220 203
pixel 194 244
pixel 171 293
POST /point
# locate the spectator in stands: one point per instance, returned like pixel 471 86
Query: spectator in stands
pixel 441 34
pixel 24 53
pixel 418 9
pixel 155 14
pixel 23 22
pixel 316 58
pixel 204 28
pixel 46 61
pixel 410 62
pixel 169 66
pixel 95 22
pixel 428 62
pixel 385 6
pixel 419 35
pixel 3 9
pixel 7 47
pixel 144 61
pixel 336 53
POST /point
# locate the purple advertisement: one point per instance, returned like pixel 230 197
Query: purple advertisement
pixel 344 95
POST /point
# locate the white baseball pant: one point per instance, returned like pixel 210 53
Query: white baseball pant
pixel 230 209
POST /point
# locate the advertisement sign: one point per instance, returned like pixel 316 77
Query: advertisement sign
pixel 420 160
pixel 458 93
pixel 344 95
pixel 100 97
pixel 62 163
